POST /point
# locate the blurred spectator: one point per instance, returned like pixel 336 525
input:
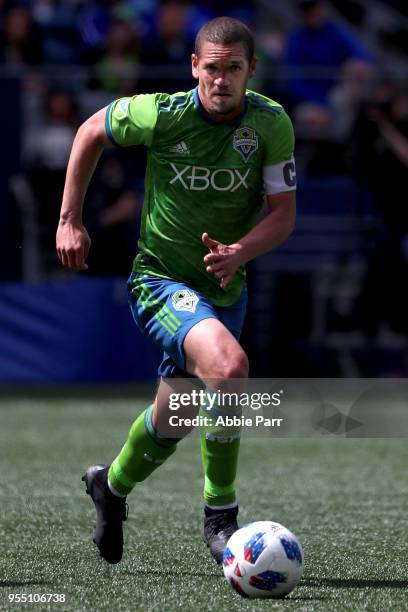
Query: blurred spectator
pixel 118 69
pixel 345 98
pixel 381 162
pixel 165 48
pixel 46 155
pixel 20 39
pixel 113 204
pixel 113 197
pixel 57 21
pixel 327 142
pixel 96 17
pixel 392 28
pixel 167 51
pixel 380 144
pixel 316 53
pixel 93 25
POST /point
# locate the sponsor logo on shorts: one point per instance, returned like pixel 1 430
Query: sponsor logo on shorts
pixel 184 299
pixel 245 142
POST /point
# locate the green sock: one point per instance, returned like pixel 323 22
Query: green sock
pixel 219 453
pixel 143 452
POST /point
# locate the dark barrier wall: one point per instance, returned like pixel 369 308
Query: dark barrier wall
pixel 72 331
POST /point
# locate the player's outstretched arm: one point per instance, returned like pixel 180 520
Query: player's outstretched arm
pixel 224 260
pixel 72 240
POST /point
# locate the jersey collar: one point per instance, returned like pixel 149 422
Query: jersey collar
pixel 206 118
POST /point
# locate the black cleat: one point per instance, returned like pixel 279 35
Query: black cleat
pixel 111 511
pixel 219 525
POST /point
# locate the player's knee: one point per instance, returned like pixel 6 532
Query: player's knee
pixel 235 366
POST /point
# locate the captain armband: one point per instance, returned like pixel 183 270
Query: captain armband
pixel 280 177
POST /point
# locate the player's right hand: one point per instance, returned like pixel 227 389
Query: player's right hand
pixel 73 244
pixel 223 260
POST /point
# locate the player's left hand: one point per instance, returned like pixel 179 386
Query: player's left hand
pixel 223 260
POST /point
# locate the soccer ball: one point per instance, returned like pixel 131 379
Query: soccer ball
pixel 263 559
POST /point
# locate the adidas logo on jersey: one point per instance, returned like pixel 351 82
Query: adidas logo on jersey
pixel 181 148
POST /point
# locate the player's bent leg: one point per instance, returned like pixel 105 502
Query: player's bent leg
pixel 151 301
pixel 143 452
pixel 111 511
pixel 213 354
pixel 166 407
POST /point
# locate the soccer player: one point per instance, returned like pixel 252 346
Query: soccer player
pixel 216 154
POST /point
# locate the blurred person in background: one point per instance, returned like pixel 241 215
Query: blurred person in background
pixel 57 21
pixel 20 39
pixel 114 201
pixel 95 19
pixel 167 49
pixel 380 151
pixel 392 26
pixel 318 52
pixel 113 195
pixel 380 161
pixel 47 149
pixel 164 50
pixel 118 68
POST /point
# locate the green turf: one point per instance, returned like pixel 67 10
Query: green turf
pixel 345 499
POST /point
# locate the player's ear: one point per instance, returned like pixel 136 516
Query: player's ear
pixel 252 66
pixel 194 65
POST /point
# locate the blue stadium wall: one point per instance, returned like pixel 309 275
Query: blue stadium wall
pixel 77 331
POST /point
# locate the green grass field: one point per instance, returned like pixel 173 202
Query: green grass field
pixel 346 499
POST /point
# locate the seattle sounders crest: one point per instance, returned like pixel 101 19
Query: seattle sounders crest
pixel 245 142
pixel 184 299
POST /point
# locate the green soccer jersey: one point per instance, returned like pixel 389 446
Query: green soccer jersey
pixel 201 176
